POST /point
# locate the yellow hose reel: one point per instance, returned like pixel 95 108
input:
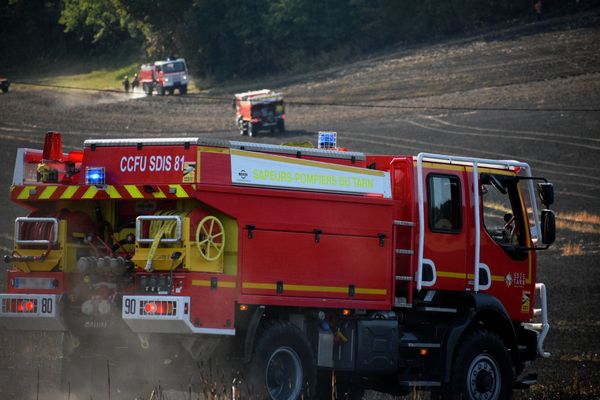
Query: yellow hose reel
pixel 210 238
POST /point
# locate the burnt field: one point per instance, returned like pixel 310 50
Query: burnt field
pixel 530 93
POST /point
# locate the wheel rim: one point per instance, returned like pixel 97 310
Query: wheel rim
pixel 284 374
pixel 483 378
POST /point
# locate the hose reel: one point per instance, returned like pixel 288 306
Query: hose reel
pixel 210 238
pixel 170 227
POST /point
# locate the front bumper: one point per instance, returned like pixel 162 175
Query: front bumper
pixel 32 312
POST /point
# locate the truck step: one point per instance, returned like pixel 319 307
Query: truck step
pixel 405 251
pixel 402 302
pixel 403 223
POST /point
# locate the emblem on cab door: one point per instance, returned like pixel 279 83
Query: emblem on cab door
pixel 508 280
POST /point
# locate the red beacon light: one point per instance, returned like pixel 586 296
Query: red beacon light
pixel 29 306
pixel 53 147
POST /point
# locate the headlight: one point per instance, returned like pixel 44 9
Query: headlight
pixel 185 77
pixel 166 79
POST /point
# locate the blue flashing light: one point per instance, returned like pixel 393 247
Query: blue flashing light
pixel 327 140
pixel 95 176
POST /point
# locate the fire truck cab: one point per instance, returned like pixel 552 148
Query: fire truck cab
pixel 337 270
pixel 259 110
pixel 164 76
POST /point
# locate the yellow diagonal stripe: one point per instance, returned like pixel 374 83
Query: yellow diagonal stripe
pixel 67 194
pixel 24 195
pixel 48 192
pixel 90 193
pixel 179 192
pixel 158 194
pixel 113 193
pixel 134 192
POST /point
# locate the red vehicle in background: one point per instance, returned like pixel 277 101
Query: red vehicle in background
pixel 4 84
pixel 259 110
pixel 164 76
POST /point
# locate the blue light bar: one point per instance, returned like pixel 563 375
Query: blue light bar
pixel 327 140
pixel 95 176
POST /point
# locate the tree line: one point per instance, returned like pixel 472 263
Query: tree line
pixel 228 38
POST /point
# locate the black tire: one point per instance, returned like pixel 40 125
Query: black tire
pixel 183 90
pixel 4 89
pixel 283 366
pixel 171 91
pixel 482 369
pixel 252 130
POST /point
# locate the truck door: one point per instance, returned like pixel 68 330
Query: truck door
pixel 446 228
pixel 505 236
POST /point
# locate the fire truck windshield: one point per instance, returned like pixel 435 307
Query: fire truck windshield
pixel 173 67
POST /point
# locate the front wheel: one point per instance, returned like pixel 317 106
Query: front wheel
pixel 482 369
pixel 182 90
pixel 283 366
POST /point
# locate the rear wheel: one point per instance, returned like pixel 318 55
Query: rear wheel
pixel 283 366
pixel 482 369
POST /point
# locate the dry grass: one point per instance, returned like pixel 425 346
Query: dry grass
pixel 572 249
pixel 577 222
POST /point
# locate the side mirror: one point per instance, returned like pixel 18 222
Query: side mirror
pixel 548 227
pixel 546 193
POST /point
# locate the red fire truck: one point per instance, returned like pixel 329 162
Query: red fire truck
pixel 383 272
pixel 164 77
pixel 259 110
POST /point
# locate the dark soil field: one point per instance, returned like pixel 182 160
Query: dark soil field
pixel 530 93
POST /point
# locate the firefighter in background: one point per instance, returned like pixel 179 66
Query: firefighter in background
pixel 135 83
pixel 537 6
pixel 126 84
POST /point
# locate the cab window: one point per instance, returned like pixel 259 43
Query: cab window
pixel 443 197
pixel 502 211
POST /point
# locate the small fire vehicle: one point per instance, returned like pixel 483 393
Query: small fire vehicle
pixel 259 110
pixel 164 77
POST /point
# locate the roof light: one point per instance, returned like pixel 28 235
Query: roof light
pixel 95 176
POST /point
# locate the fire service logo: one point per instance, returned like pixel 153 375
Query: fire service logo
pixel 508 280
pixel 243 174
